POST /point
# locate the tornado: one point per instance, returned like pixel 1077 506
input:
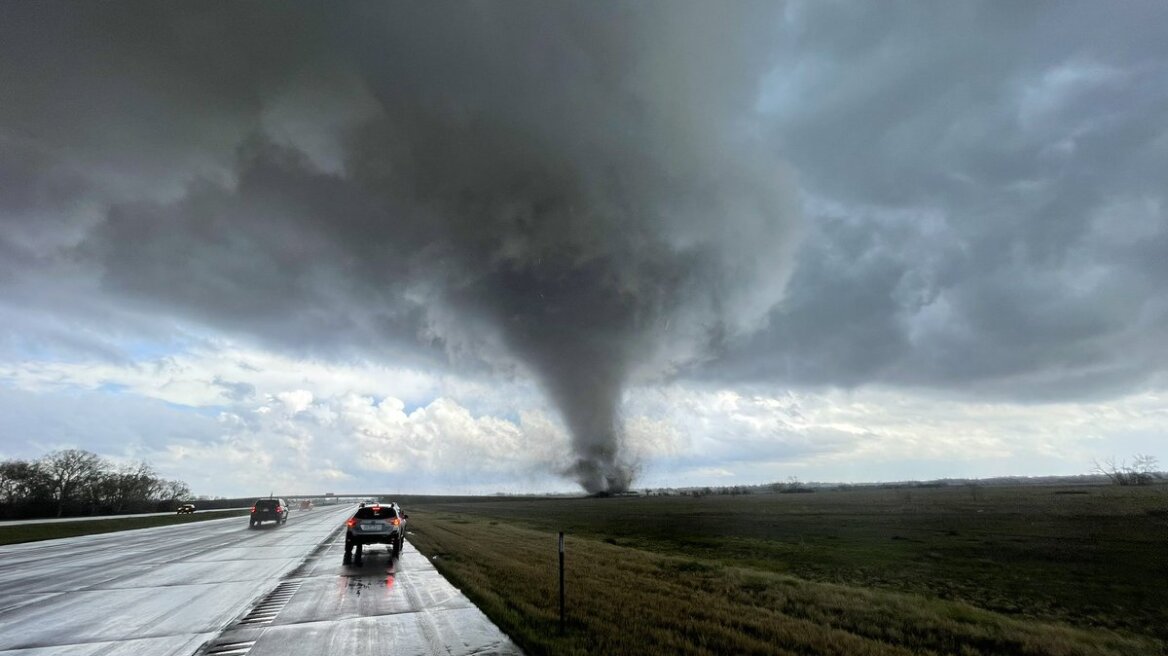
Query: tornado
pixel 578 192
pixel 592 190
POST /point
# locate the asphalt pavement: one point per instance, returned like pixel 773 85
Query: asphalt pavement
pixel 58 520
pixel 217 588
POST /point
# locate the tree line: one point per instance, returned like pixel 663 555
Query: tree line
pixel 74 482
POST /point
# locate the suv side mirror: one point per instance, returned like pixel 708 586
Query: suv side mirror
pixel 405 516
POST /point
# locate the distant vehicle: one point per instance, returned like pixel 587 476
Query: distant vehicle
pixel 268 510
pixel 375 524
pixel 186 509
pixel 306 505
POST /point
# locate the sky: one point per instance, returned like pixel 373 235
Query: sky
pixel 550 247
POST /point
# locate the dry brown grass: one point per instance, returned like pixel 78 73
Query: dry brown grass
pixel 1085 556
pixel 625 600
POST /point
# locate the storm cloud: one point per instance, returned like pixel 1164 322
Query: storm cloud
pixel 986 200
pixel 965 199
pixel 578 192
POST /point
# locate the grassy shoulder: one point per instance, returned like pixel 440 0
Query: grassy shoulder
pixel 627 600
pixel 53 530
pixel 966 571
pixel 1085 556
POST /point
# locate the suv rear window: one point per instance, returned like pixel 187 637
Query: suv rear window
pixel 267 503
pixel 375 512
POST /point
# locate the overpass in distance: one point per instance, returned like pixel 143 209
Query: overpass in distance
pixel 347 497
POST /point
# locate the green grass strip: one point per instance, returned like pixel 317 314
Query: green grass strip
pixel 627 600
pixel 18 533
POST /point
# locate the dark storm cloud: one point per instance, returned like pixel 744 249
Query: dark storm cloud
pixel 581 188
pixel 988 199
pixel 593 192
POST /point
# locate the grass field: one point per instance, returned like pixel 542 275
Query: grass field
pixel 869 571
pixel 53 530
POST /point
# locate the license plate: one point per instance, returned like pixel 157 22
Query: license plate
pixel 373 526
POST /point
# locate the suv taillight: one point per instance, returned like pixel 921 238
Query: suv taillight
pixel 279 509
pixel 253 508
pixel 352 522
pixel 396 521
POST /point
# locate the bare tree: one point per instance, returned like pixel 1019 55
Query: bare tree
pixel 76 480
pixel 1146 467
pixel 129 486
pixel 173 490
pixel 20 481
pixel 1141 471
pixel 69 471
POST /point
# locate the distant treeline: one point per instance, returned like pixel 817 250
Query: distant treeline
pixel 1141 473
pixel 75 483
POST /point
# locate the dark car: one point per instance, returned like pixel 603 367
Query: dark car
pixel 268 510
pixel 374 524
pixel 186 508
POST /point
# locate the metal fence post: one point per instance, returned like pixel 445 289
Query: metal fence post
pixel 561 583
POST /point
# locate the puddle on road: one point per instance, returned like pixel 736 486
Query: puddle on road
pixel 362 578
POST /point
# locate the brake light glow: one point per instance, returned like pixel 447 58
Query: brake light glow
pixel 396 521
pixel 352 522
pixel 253 508
pixel 279 509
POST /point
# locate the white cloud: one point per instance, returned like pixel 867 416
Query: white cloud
pixel 882 434
pixel 202 377
pixel 314 427
pixel 238 422
pixel 296 401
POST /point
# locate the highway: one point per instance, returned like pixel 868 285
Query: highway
pixel 96 518
pixel 217 588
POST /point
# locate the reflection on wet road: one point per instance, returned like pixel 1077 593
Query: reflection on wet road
pixel 381 607
pixel 178 590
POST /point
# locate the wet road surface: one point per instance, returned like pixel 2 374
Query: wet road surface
pixel 381 607
pixel 218 588
pixel 97 518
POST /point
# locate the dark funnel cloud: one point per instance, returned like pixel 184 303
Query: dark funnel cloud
pixel 589 178
pixel 578 191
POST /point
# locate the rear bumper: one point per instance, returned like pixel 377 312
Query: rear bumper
pixel 371 538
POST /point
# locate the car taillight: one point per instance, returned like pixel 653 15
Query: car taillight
pixel 253 508
pixel 396 521
pixel 279 508
pixel 351 523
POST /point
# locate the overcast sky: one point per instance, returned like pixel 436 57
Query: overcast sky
pixel 525 247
